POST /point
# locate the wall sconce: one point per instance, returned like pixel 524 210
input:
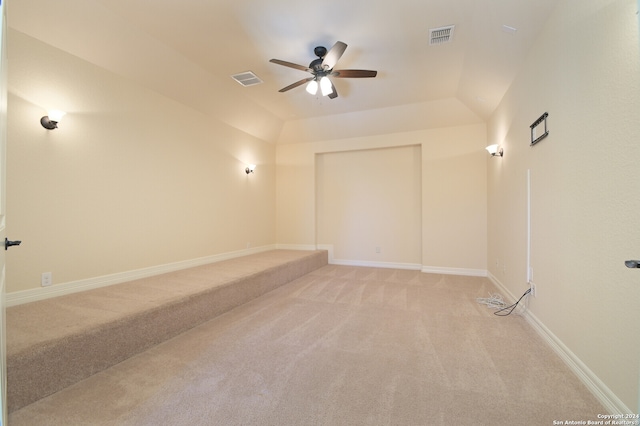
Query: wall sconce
pixel 50 121
pixel 495 150
pixel 250 168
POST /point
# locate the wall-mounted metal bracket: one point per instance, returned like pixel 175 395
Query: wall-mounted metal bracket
pixel 534 129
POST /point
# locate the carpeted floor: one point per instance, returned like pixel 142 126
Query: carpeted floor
pixel 340 346
pixel 56 342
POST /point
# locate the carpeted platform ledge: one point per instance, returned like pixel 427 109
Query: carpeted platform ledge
pixel 54 343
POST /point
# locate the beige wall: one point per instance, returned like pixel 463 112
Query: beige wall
pixel 130 180
pixel 453 200
pixel 369 205
pixel 585 190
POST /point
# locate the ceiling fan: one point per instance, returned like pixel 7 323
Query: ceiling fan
pixel 322 69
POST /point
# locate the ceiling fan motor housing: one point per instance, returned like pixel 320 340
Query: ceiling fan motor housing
pixel 316 66
pixel 320 51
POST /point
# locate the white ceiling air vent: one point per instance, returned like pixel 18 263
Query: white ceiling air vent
pixel 247 78
pixel 441 35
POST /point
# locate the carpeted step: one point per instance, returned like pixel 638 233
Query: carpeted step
pixel 54 343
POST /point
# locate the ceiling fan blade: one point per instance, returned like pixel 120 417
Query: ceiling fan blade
pixel 290 65
pixel 331 58
pixel 354 73
pixel 333 94
pixel 296 84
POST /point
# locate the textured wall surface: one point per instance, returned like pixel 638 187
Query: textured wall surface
pixel 453 198
pixel 369 204
pixel 585 183
pixel 130 180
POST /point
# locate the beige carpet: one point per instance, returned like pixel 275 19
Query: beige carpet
pixel 339 346
pixel 56 342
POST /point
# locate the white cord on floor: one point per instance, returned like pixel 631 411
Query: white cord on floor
pixel 494 301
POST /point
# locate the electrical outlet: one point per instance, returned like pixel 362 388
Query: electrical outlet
pixel 249 245
pixel 377 249
pixel 532 286
pixel 46 279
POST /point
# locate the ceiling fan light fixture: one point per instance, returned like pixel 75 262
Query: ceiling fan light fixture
pixel 321 68
pixel 325 86
pixel 312 87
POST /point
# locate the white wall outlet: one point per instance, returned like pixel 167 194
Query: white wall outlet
pixel 46 279
pixel 532 286
pixel 248 245
pixel 377 249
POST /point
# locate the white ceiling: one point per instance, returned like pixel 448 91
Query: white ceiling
pixel 189 49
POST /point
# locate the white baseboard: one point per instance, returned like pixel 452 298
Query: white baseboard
pixel 32 295
pixel 373 264
pixel 297 247
pixel 607 398
pixel 367 263
pixel 393 265
pixel 329 249
pixel 455 271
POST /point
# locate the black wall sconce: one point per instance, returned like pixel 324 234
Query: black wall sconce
pixel 495 150
pixel 51 121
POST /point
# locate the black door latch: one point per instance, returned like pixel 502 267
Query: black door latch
pixel 8 243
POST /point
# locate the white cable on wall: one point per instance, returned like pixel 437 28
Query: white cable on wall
pixel 529 277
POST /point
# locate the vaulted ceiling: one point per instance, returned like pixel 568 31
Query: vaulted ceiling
pixel 189 49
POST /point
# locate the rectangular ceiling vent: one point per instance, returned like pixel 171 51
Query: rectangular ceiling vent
pixel 247 78
pixel 441 35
